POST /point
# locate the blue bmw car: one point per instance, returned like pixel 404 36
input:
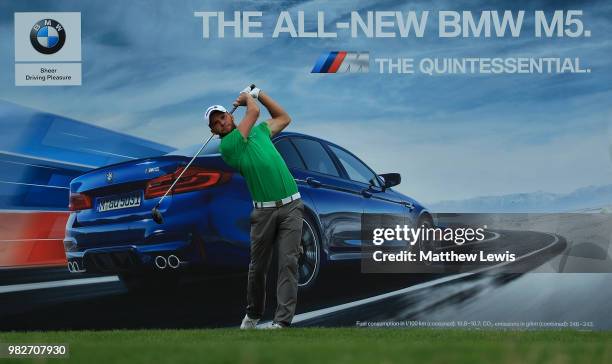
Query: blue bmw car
pixel 206 217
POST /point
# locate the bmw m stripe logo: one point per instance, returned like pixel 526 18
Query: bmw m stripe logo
pixel 47 36
pixel 342 62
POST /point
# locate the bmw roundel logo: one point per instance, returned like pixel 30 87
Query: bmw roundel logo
pixel 47 36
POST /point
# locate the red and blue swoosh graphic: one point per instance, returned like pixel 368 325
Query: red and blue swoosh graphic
pixel 40 153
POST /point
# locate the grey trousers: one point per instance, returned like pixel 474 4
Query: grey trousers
pixel 281 228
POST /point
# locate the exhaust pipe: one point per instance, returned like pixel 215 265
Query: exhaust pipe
pixel 174 262
pixel 73 267
pixel 160 262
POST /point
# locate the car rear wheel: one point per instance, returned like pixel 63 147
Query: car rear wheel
pixel 309 262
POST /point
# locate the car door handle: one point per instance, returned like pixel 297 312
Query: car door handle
pixel 313 182
pixel 409 205
pixel 366 193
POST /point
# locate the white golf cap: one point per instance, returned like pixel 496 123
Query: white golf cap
pixel 212 109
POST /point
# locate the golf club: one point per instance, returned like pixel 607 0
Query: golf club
pixel 155 213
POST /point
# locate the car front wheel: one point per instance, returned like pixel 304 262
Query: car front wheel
pixel 309 262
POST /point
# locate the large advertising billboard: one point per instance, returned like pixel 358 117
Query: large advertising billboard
pixel 429 170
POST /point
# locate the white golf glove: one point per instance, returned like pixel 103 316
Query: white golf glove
pixel 254 92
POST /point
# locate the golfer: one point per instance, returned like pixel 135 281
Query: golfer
pixel 276 220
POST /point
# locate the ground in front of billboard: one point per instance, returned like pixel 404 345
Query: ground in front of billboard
pixel 318 345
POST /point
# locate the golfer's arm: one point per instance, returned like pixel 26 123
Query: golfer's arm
pixel 280 119
pixel 250 117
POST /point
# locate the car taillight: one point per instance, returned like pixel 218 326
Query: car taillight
pixel 195 178
pixel 79 201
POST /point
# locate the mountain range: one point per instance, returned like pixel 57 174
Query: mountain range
pixel 585 198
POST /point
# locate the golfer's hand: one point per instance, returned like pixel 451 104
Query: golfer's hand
pixel 254 92
pixel 242 99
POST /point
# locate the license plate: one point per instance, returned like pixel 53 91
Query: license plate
pixel 119 202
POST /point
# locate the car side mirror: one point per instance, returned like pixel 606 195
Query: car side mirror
pixel 390 179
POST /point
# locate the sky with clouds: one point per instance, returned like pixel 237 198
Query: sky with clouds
pixel 148 72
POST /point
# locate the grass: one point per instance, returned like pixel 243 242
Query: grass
pixel 315 345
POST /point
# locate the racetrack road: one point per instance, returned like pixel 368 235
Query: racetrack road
pixel 219 302
pixel 486 300
pixel 215 302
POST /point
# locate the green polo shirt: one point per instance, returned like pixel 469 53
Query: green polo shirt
pixel 258 161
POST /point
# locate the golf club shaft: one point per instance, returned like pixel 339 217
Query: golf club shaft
pixel 185 169
pixel 189 164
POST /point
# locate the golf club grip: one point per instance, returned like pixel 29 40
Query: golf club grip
pixel 185 169
pixel 235 107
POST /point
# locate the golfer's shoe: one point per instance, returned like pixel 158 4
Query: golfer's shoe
pixel 248 323
pixel 274 326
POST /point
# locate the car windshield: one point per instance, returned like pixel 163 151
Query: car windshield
pixel 211 148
